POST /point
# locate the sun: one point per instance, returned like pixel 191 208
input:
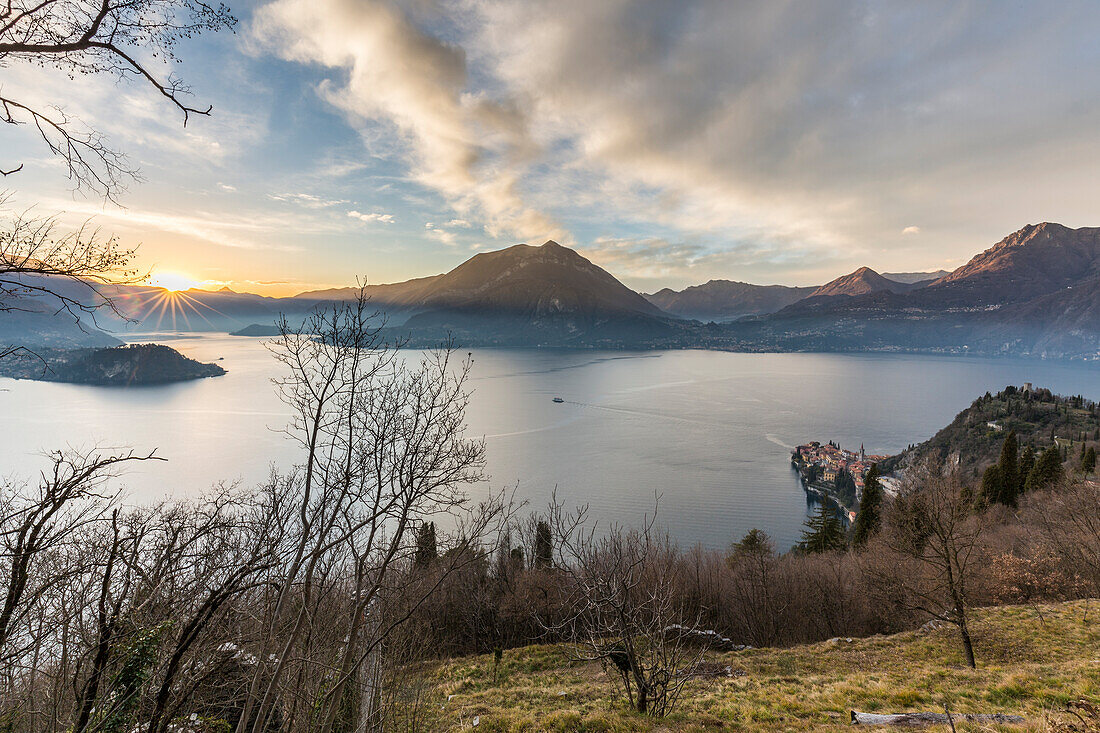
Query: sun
pixel 173 281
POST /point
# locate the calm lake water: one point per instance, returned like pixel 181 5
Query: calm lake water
pixel 709 432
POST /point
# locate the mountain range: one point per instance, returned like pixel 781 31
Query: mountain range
pixel 1036 292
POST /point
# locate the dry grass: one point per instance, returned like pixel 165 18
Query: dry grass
pixel 1031 661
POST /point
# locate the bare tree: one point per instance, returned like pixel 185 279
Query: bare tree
pixel 624 610
pixel 34 524
pixel 934 545
pixel 382 436
pixel 1068 516
pixel 754 590
pixel 70 273
pixel 123 39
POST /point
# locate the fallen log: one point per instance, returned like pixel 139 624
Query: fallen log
pixel 916 720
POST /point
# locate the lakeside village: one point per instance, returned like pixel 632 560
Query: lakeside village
pixel 831 472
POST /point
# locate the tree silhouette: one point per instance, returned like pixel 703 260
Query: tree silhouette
pixel 755 542
pixel 544 546
pixel 1010 470
pixel 1027 462
pixel 112 38
pixel 822 532
pixel 993 485
pixel 426 551
pixel 1047 470
pixel 870 509
pixel 1088 463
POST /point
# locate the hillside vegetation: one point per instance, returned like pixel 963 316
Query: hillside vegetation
pixel 1037 659
pixel 1039 418
pixel 130 365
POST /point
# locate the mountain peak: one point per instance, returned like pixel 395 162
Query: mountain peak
pixel 860 282
pixel 1037 259
pixel 537 281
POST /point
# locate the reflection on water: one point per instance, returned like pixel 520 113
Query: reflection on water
pixel 707 432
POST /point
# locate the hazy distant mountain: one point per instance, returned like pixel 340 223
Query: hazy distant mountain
pixel 722 300
pixel 1035 292
pixel 1065 321
pixel 402 294
pixel 46 327
pixel 862 281
pixel 202 310
pixel 28 318
pixel 915 277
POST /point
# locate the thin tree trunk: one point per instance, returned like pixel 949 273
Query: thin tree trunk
pixel 964 632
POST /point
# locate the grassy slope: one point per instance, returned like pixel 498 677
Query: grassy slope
pixel 1026 666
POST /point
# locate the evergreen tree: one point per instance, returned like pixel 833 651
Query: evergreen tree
pixel 1010 470
pixel 426 551
pixel 544 546
pixel 823 532
pixel 993 485
pixel 1088 463
pixel 755 542
pixel 870 509
pixel 845 487
pixel 1027 462
pixel 504 558
pixel 1047 470
pixel 516 559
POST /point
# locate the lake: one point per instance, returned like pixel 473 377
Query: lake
pixel 708 432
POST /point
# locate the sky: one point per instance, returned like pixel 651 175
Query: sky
pixel 670 141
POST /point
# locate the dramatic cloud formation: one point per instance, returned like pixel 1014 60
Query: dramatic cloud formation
pixel 738 124
pixel 463 144
pixel 673 142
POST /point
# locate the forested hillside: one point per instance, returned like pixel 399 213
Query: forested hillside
pixel 1039 418
pixel 133 364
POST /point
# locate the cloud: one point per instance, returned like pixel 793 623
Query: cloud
pixel 387 67
pixel 373 217
pixel 248 230
pixel 306 199
pixel 226 187
pixel 911 230
pixel 809 128
pixel 441 235
pixel 645 258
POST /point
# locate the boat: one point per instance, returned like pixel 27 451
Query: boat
pixel 558 399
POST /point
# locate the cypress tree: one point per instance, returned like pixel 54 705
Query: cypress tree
pixel 1047 470
pixel 870 508
pixel 426 552
pixel 1010 470
pixel 1088 463
pixel 1027 462
pixel 823 532
pixel 993 485
pixel 544 546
